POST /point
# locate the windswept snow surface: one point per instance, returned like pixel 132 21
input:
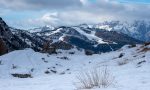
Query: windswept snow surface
pixel 132 75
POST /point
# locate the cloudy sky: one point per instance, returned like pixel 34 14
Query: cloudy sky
pixel 35 13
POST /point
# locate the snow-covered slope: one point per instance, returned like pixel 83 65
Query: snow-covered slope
pixel 129 64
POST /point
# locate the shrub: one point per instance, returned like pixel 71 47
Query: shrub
pixel 89 52
pixel 53 71
pixel 47 72
pixel 0 62
pixel 22 75
pixel 94 78
pixel 14 66
pixel 121 55
pixel 123 62
pixel 132 45
pixel 145 49
pixel 141 62
pixel 71 52
pixel 147 43
pixel 62 73
pixel 32 69
pixel 64 58
pixel 44 60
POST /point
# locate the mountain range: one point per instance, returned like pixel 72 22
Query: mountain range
pixel 92 38
pixel 136 29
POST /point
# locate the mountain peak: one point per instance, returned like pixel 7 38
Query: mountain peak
pixel 1 18
pixel 42 29
pixel 84 25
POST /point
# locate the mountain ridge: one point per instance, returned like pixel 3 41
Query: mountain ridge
pixel 138 29
pixel 65 37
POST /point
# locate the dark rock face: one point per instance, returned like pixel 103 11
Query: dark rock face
pixel 33 41
pixel 110 37
pixel 10 41
pixel 3 48
pixel 119 38
pixel 90 46
pixel 47 48
pixel 62 45
pixel 79 42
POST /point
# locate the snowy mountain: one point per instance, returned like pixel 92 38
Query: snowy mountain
pixel 48 39
pixel 41 29
pixel 85 37
pixel 137 29
pixel 59 71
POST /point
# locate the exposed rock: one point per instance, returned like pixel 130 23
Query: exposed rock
pixel 62 45
pixel 9 41
pixel 3 48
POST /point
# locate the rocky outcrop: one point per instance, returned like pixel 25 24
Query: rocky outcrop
pixel 114 36
pixel 138 29
pixel 9 41
pixel 3 48
pixel 62 45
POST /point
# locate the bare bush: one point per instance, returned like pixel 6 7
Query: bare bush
pixel 94 78
pixel 14 66
pixel 0 62
pixel 123 62
pixel 47 72
pixel 22 75
pixel 121 55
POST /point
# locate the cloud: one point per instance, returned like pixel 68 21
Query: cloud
pixel 119 11
pixel 39 4
pixel 73 12
pixel 98 11
pixel 46 19
pixel 68 18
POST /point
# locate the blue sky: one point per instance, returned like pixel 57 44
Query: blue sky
pixel 35 13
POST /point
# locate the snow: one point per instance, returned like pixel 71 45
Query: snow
pixel 57 31
pixel 40 29
pixel 106 27
pixel 62 38
pixel 35 30
pixel 129 76
pixel 90 36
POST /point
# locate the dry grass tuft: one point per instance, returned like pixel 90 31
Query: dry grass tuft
pixel 94 78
